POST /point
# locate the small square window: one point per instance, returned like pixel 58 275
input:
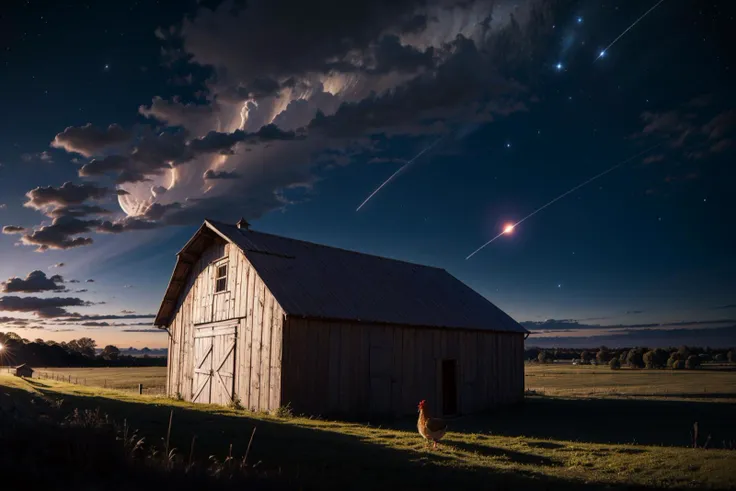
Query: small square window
pixel 221 279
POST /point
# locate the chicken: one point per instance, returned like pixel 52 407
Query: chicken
pixel 433 429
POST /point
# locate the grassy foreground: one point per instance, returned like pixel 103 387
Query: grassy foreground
pixel 549 443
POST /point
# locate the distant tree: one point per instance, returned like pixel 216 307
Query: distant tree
pixel 693 362
pixel 678 365
pixel 110 352
pixel 38 341
pixel 684 352
pixel 673 359
pixel 635 358
pixel 622 357
pixel 12 336
pixel 648 359
pixel 585 357
pixel 603 355
pixel 615 363
pixel 544 357
pixel 731 356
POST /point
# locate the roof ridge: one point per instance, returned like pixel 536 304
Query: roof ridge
pixel 251 231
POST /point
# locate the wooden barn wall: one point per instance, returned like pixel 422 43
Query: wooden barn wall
pixel 257 380
pixel 334 368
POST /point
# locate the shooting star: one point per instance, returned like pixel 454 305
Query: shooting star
pixel 605 50
pixel 509 228
pixel 400 169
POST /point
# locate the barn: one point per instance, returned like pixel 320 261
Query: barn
pixel 270 321
pixel 23 371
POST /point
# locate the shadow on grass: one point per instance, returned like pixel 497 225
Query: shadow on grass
pixel 293 455
pixel 510 455
pixel 621 420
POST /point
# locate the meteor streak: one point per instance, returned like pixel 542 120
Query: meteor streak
pixel 603 52
pixel 511 227
pixel 398 171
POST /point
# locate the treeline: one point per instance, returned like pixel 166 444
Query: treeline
pixel 80 352
pixel 640 357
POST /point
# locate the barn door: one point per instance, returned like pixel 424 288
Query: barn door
pixel 214 363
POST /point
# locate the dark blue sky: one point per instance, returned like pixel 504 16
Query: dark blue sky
pixel 524 110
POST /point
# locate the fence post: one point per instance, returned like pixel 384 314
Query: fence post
pixel 70 379
pixel 105 383
pixel 140 389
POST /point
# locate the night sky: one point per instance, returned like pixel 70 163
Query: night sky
pixel 125 124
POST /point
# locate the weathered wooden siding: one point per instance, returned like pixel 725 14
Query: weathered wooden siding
pixel 342 368
pixel 257 372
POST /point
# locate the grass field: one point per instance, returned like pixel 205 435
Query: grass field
pixel 152 378
pixel 551 442
pixel 567 380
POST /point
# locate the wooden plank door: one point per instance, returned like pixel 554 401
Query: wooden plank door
pixel 202 380
pixel 214 363
pixel 223 365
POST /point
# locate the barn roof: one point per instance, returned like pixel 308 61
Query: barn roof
pixel 317 281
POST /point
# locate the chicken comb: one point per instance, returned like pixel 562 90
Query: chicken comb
pixel 422 402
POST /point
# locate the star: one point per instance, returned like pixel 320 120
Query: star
pixel 602 54
pixel 559 285
pixel 558 66
pixel 107 67
pixel 508 145
pixel 579 20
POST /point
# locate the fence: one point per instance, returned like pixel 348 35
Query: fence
pixel 104 383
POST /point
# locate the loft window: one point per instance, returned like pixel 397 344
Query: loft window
pixel 221 279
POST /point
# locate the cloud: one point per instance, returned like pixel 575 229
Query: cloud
pixel 634 312
pixel 143 330
pixel 653 158
pixel 311 96
pixel 127 311
pixel 696 130
pixel 73 281
pixel 42 156
pixel 83 290
pixel 90 280
pixel 126 224
pixel 43 307
pixel 66 195
pixel 13 229
pixel 57 265
pixel 60 234
pixel 725 307
pixel 14 321
pixel 77 211
pixel 213 174
pixel 197 118
pixel 95 324
pixel 3 206
pixel 78 318
pixel 88 140
pixel 35 282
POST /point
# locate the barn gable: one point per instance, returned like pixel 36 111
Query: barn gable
pixel 224 325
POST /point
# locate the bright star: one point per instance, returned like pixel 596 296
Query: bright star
pixel 559 285
pixel 107 66
pixel 580 20
pixel 603 53
pixel 558 66
pixel 508 228
pixel 508 145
